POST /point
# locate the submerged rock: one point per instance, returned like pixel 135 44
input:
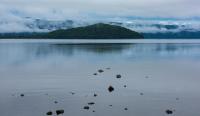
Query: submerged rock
pixel 141 93
pixel 110 89
pixel 86 107
pixel 169 111
pixel 95 74
pixel 108 68
pixel 72 93
pixel 49 113
pixel 118 76
pixel 146 77
pixel 58 112
pixel 125 86
pixel 55 102
pixel 125 108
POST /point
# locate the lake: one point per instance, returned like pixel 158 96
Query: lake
pixel 156 75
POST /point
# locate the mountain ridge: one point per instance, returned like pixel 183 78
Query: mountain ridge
pixel 95 31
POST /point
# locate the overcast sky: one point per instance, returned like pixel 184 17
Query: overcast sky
pixel 62 9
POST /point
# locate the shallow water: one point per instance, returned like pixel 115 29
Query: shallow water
pixel 166 73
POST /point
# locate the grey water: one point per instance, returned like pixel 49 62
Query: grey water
pixel 49 71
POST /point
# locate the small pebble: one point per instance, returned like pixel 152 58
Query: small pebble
pixel 58 112
pixel 22 95
pixel 110 89
pixel 49 113
pixel 118 76
pixel 93 111
pixel 110 105
pixel 86 107
pixel 55 102
pixel 95 95
pixel 141 93
pixel 100 71
pixel 169 111
pixel 125 108
pixel 95 74
pixel 91 103
pixel 125 86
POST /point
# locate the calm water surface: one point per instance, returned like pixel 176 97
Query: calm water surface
pixel 166 73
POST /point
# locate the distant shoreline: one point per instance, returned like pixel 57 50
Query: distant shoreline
pixel 103 41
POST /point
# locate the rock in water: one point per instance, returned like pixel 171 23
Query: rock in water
pixel 169 111
pixel 58 112
pixel 22 95
pixel 110 89
pixel 125 108
pixel 86 107
pixel 100 71
pixel 118 76
pixel 95 95
pixel 91 103
pixel 49 113
pixel 95 74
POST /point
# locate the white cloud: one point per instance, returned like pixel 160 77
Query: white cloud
pixel 75 8
pixel 13 12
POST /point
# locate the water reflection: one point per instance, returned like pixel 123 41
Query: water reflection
pixel 20 53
